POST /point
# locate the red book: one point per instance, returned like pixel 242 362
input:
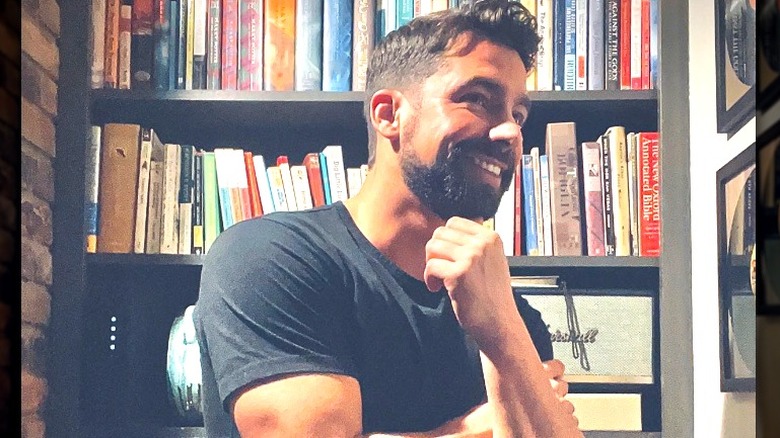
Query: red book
pixel 250 45
pixel 645 44
pixel 624 44
pixel 312 163
pixel 649 200
pixel 254 191
pixel 229 44
pixel 518 210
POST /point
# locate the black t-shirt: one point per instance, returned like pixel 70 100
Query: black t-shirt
pixel 307 292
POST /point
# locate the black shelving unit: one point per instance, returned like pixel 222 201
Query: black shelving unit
pixel 99 391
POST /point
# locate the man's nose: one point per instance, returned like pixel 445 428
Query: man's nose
pixel 508 131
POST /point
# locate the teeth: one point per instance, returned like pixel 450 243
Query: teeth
pixel 492 168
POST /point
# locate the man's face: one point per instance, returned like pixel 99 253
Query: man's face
pixel 460 147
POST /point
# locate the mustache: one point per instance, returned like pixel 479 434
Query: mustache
pixel 499 150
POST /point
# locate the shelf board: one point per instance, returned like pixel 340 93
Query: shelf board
pixel 578 262
pixel 104 259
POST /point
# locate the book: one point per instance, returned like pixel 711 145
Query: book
pixel 199 70
pixel 354 181
pixel 581 43
pixel 240 185
pixel 250 45
pixel 362 41
pixel 229 45
pixel 308 45
pixel 279 45
pixel 98 40
pixel 142 191
pixel 173 45
pixel 91 188
pixel 289 191
pixel 214 45
pixel 197 204
pixel 181 44
pixel 254 190
pixel 518 222
pixel 649 195
pixel 312 163
pixel 263 186
pixel 612 45
pixel 619 182
pixel 189 57
pixel 142 45
pixel 624 44
pixel 337 45
pixel 118 170
pixel 125 40
pixel 631 148
pixel 538 195
pixel 594 217
pixel 154 212
pixel 544 171
pixel 544 56
pixel 559 43
pixel 653 49
pixel 636 44
pixel 645 45
pixel 596 45
pixel 277 188
pixel 561 147
pixel 186 188
pixel 169 224
pixel 111 45
pixel 606 187
pixel 300 183
pixel 211 208
pixel 531 78
pixel 570 46
pixel 229 200
pixel 325 178
pixel 529 208
pixel 337 178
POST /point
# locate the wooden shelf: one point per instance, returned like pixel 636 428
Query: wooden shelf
pixel 578 262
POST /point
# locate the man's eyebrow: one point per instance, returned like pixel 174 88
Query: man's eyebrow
pixel 495 88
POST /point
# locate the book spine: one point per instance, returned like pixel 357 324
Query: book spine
pixel 653 44
pixel 289 191
pixel 173 45
pixel 125 41
pixel 308 45
pixel 300 183
pixel 91 188
pixel 118 169
pixel 564 189
pixel 250 45
pixel 336 172
pixel 169 235
pixel 530 80
pixel 544 171
pixel 266 198
pixel 337 45
pixel 98 16
pixel 279 39
pixel 570 47
pixel 559 43
pixel 197 204
pixel 229 45
pixel 636 44
pixel 186 183
pixel 618 159
pixel 354 183
pixel 200 24
pixel 649 180
pixel 645 44
pixel 211 210
pixel 325 178
pixel 362 41
pixel 312 163
pixel 277 188
pixel 142 45
pixel 190 46
pixel 596 45
pixel 529 207
pixel 544 57
pixel 380 20
pixel 154 213
pixel 239 186
pixel 214 46
pixel 518 233
pixel 633 220
pixel 181 45
pixel 111 55
pixel 594 217
pixel 162 35
pixel 222 168
pixel 606 187
pixel 254 191
pixel 581 48
pixel 404 10
pixel 538 195
pixel 624 50
pixel 612 38
pixel 142 191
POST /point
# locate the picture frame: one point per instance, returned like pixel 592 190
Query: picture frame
pixel 767 54
pixel 768 221
pixel 736 222
pixel 735 43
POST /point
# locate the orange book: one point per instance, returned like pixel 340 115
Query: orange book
pixel 111 48
pixel 312 163
pixel 254 192
pixel 279 45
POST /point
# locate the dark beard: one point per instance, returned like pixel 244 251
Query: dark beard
pixel 447 190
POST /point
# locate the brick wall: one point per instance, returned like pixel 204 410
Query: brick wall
pixel 40 28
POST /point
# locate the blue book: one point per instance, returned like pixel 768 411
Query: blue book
pixel 325 179
pixel 162 35
pixel 308 45
pixel 404 11
pixel 173 44
pixel 337 45
pixel 570 46
pixel 559 27
pixel 653 44
pixel 529 207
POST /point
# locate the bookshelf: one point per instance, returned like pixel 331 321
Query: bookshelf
pixel 99 392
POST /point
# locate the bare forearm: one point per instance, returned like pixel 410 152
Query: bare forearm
pixel 517 387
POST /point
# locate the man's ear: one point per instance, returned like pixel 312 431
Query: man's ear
pixel 384 113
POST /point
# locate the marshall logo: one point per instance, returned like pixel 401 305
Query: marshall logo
pixel 589 337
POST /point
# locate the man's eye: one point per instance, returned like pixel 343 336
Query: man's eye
pixel 519 118
pixel 476 98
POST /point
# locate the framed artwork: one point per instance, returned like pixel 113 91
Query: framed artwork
pixel 768 53
pixel 736 209
pixel 735 42
pixel 768 224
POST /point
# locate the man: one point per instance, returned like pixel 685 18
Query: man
pixel 392 312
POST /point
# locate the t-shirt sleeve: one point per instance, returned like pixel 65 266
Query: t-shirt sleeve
pixel 267 307
pixel 537 328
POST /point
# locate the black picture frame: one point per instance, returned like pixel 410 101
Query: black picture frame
pixel 767 54
pixel 736 211
pixel 768 221
pixel 735 43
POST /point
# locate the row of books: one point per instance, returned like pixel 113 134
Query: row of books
pixel 149 197
pixel 596 198
pixel 285 45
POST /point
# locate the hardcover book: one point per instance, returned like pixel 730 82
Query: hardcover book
pixel 337 45
pixel 142 44
pixel 594 217
pixel 214 45
pixel 250 45
pixel 308 45
pixel 279 43
pixel 561 141
pixel 649 195
pixel 229 73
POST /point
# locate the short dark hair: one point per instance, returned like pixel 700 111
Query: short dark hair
pixel 413 52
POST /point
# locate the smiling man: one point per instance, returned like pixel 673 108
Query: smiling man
pixel 391 314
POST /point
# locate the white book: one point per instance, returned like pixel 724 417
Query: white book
pixel 125 38
pixel 581 44
pixel 98 42
pixel 289 190
pixel 354 181
pixel 504 220
pixel 632 142
pixel 169 237
pixel 636 44
pixel 142 191
pixel 540 236
pixel 337 177
pixel 544 170
pixel 300 183
pixel 544 57
pixel 618 161
pixel 154 215
pixel 277 188
pixel 263 186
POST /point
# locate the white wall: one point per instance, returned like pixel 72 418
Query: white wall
pixel 716 414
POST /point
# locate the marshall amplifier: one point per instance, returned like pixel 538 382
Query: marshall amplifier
pixel 602 336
